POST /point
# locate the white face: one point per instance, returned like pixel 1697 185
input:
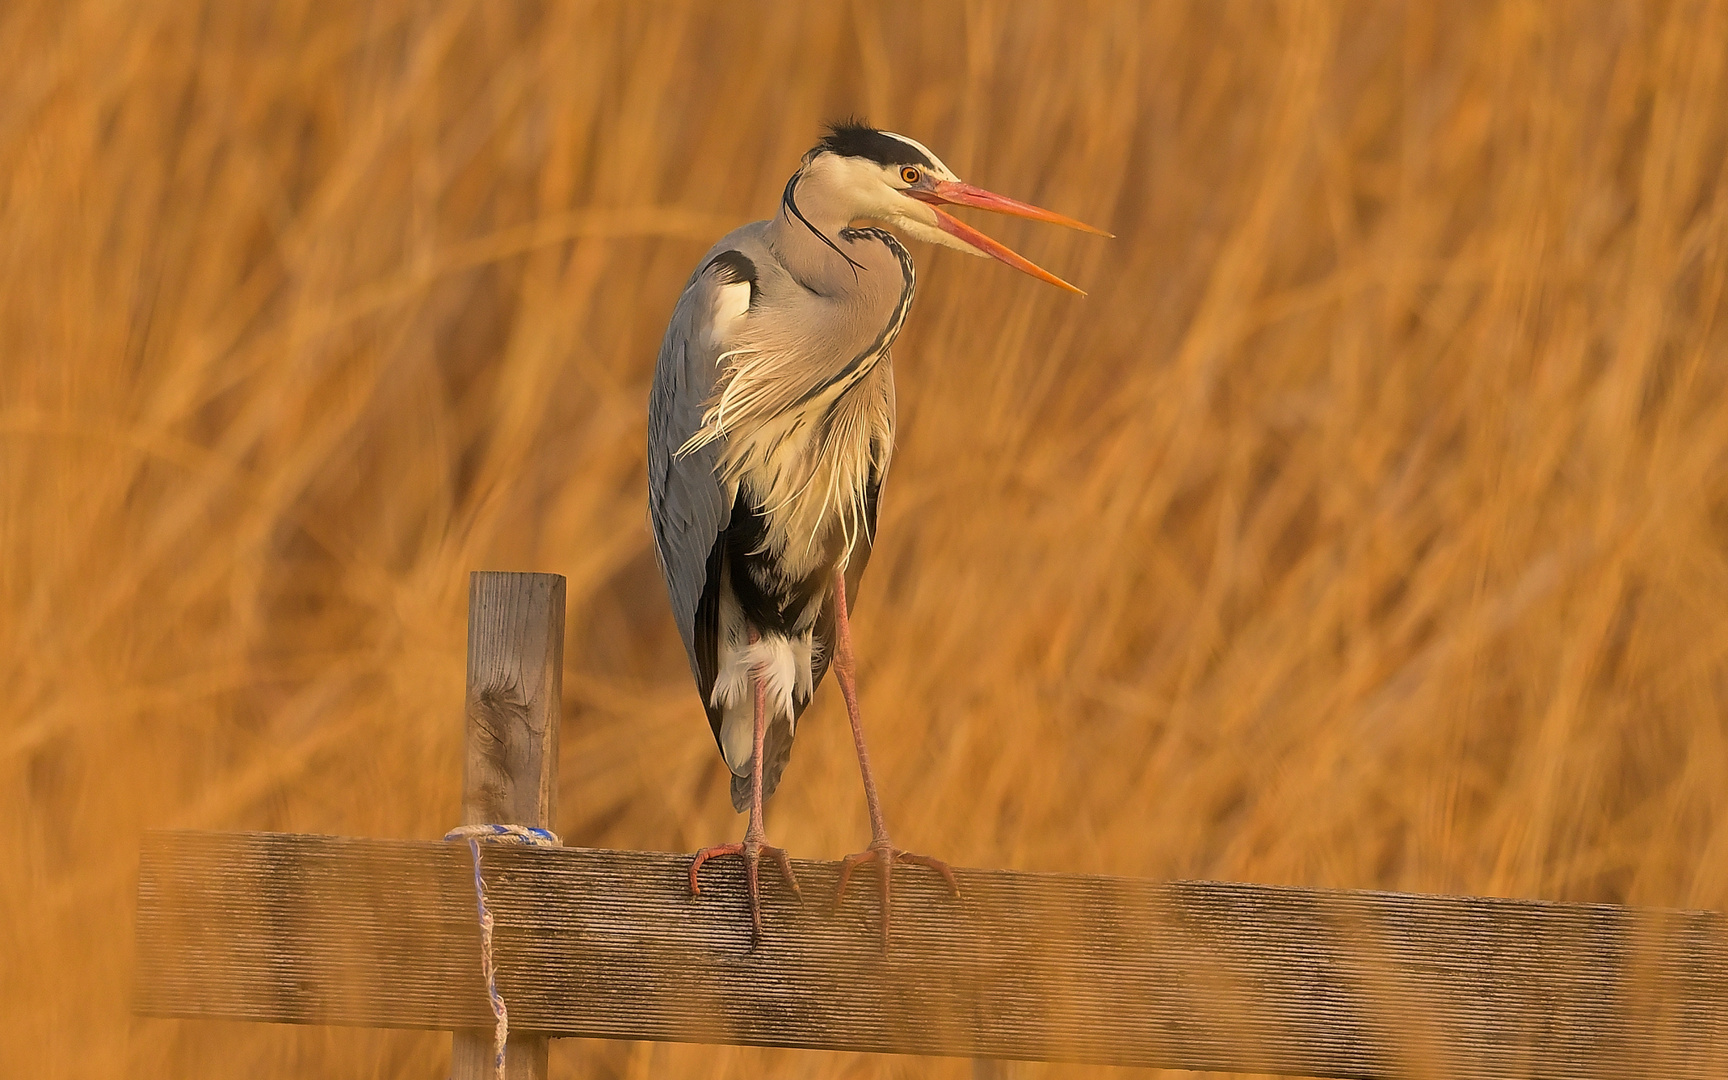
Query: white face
pixel 878 192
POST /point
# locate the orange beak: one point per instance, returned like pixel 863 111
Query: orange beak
pixel 955 193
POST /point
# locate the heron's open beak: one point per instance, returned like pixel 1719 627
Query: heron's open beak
pixel 955 193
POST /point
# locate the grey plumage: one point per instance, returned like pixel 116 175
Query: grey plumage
pixel 771 426
pixel 845 329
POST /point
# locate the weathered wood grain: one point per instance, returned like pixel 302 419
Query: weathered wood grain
pixel 510 769
pixel 1196 975
pixel 515 687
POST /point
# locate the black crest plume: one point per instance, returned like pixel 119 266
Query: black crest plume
pixel 854 137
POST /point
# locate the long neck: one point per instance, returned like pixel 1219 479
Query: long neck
pixel 806 235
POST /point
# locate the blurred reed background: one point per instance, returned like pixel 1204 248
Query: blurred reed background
pixel 1366 527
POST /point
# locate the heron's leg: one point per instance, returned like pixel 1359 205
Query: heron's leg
pixel 881 851
pixel 755 840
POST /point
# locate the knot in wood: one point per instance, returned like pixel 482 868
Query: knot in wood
pixel 498 708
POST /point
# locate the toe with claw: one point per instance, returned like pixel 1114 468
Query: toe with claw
pixel 884 854
pixel 751 851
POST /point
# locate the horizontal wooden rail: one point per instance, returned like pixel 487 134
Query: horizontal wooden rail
pixel 1193 975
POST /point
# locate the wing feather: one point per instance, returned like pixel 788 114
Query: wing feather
pixel 687 503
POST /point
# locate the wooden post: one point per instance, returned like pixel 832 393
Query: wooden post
pixel 509 771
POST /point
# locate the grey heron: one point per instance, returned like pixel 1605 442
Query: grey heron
pixel 771 426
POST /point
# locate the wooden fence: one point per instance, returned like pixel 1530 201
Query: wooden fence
pixel 1192 975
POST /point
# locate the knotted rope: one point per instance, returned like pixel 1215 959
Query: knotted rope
pixel 476 835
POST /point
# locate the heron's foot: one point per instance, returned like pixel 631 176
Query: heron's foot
pixel 751 851
pixel 885 855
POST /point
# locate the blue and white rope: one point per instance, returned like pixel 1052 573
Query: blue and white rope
pixel 476 835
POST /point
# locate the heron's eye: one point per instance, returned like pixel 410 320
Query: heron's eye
pixel 910 174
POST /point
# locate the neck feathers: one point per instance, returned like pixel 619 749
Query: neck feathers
pixel 805 438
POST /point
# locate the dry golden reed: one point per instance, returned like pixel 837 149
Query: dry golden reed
pixel 1367 526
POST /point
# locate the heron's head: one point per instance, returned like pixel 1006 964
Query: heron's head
pixel 890 178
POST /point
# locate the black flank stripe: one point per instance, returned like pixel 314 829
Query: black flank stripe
pixel 734 267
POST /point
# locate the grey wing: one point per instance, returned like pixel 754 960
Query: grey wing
pixel 686 502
